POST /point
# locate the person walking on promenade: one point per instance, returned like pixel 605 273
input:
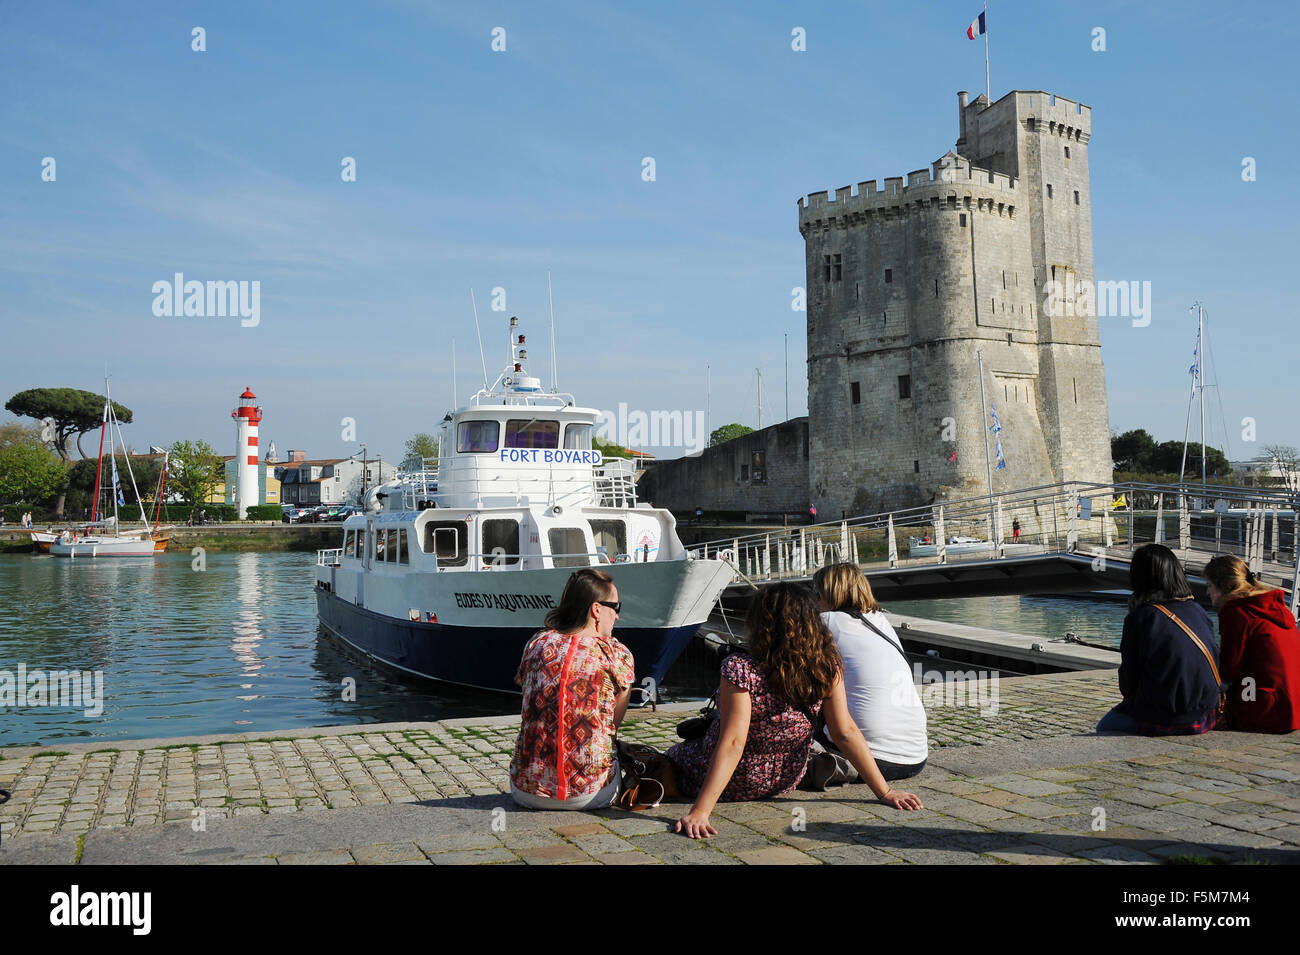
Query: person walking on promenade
pixel 576 680
pixel 768 701
pixel 1015 530
pixel 1168 672
pixel 812 513
pixel 878 680
pixel 1260 644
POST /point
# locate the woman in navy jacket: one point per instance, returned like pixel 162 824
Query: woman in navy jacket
pixel 1168 684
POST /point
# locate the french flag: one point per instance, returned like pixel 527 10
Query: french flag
pixel 978 26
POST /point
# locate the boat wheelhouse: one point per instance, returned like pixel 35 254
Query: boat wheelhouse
pixel 454 566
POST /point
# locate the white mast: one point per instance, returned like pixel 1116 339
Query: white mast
pixel 479 333
pixel 760 398
pixel 555 385
pixel 988 464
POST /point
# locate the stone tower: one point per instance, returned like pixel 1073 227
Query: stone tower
pixel 908 283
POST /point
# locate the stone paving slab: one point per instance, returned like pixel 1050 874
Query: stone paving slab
pixel 437 792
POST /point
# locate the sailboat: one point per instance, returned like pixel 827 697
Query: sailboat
pixel 96 539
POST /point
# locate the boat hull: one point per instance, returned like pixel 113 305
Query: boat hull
pixel 105 547
pixel 481 646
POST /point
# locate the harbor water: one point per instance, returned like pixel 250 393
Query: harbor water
pixel 234 647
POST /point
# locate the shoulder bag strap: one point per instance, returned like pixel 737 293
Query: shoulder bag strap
pixel 1214 667
pixel 880 633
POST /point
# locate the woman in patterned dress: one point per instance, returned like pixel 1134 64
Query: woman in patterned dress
pixel 768 701
pixel 576 680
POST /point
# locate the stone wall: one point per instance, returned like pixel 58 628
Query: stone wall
pixel 721 478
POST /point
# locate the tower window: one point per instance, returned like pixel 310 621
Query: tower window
pixel 1004 278
pixel 889 276
pixel 904 386
pixel 1067 152
pixel 827 268
pixel 963 220
pixel 916 467
pixel 838 270
pixel 936 288
pixel 856 390
pixel 1076 197
pixel 1049 190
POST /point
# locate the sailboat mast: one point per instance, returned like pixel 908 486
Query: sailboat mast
pixel 984 424
pixel 1200 365
pixel 99 467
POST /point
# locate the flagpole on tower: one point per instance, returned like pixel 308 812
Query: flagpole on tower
pixel 988 92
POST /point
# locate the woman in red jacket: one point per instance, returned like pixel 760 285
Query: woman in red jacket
pixel 1260 644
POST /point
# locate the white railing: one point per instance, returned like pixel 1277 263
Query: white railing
pixel 330 557
pixel 1195 520
pixel 466 482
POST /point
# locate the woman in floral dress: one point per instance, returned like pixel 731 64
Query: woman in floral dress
pixel 768 701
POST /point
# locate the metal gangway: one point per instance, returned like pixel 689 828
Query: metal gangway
pixel 1073 536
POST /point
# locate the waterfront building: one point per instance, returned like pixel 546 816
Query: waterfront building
pixel 329 480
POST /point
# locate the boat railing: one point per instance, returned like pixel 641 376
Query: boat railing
pixel 497 560
pixel 615 483
pixel 465 483
pixel 329 557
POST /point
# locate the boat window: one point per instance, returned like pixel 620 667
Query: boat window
pixel 501 542
pixel 531 433
pixel 569 545
pixel 402 557
pixel 477 437
pixel 349 543
pixel 578 437
pixel 381 545
pixel 446 540
pixel 611 535
pixel 392 544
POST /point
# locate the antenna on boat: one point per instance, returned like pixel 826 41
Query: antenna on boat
pixel 454 390
pixel 551 302
pixel 480 339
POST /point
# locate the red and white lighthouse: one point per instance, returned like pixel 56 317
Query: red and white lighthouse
pixel 247 417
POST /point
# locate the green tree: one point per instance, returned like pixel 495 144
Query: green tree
pixel 30 473
pixel 1167 458
pixel 63 413
pixel 729 432
pixel 419 447
pixel 1132 450
pixel 195 471
pixel 608 449
pixel 72 412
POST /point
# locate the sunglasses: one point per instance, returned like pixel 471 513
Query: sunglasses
pixel 614 605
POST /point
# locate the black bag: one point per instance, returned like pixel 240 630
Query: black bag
pixel 696 726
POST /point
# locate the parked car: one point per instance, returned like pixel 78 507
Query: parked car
pixel 297 515
pixel 340 512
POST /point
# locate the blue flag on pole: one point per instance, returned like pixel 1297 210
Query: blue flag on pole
pixel 997 429
pixel 117 487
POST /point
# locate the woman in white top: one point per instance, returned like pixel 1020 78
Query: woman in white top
pixel 882 697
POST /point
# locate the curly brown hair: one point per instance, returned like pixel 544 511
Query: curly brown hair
pixel 792 646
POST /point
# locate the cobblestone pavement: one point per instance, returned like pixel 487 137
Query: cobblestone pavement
pixel 1024 781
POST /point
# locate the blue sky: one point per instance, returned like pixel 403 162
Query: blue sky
pixel 482 169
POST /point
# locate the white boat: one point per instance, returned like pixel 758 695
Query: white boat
pixel 93 539
pixel 455 566
pixel 918 547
